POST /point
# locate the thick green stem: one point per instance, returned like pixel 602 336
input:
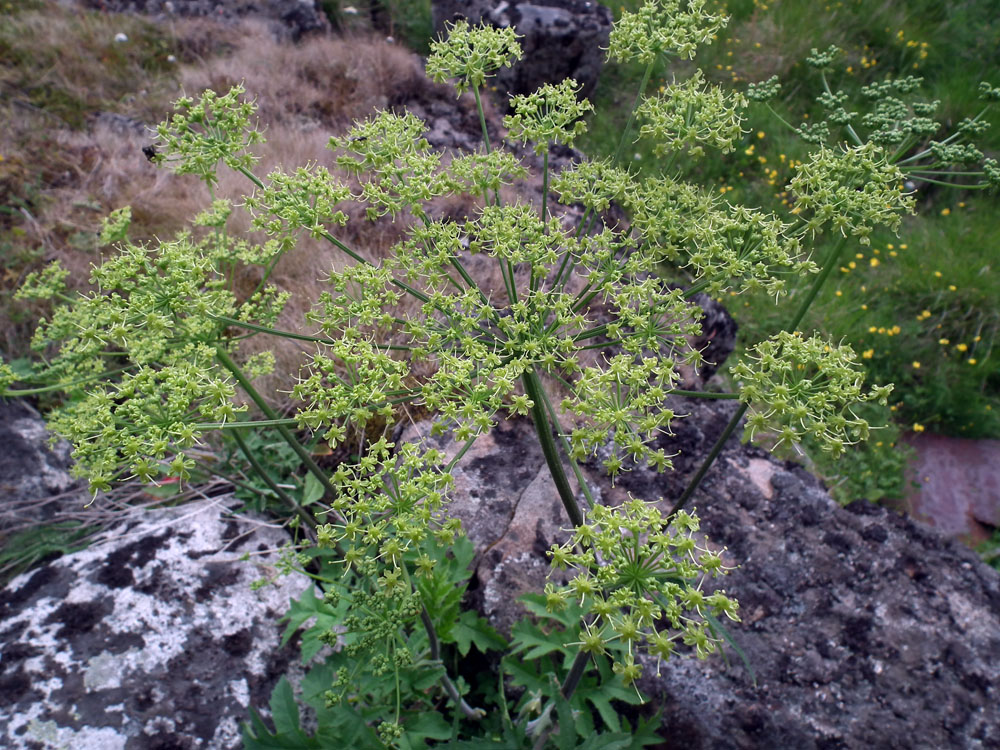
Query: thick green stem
pixel 828 265
pixel 709 460
pixel 702 394
pixel 275 488
pixel 291 335
pixel 285 433
pixel 533 389
pixel 635 106
pixel 449 687
pixel 16 393
pixel 580 479
pixel 575 674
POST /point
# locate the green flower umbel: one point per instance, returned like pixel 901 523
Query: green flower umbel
pixel 641 579
pixel 471 54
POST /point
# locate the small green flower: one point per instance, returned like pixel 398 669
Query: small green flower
pixel 471 54
pixel 692 115
pixel 764 90
pixel 664 27
pixel 308 199
pixel 853 189
pixel 114 228
pixel 644 587
pixel 45 284
pixel 213 129
pixel 549 115
pixel 800 388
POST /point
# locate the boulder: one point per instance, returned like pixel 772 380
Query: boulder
pixel 863 628
pixel 31 470
pixel 561 38
pixel 287 18
pixel 151 639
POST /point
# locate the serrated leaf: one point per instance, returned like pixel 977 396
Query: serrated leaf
pixel 522 675
pixel 428 724
pixel 603 741
pixel 471 629
pixel 532 642
pixel 605 710
pixel 645 732
pixel 284 709
pixel 569 617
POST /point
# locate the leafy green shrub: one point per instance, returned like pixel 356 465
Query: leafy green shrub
pixel 152 362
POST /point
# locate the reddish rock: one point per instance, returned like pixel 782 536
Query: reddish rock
pixel 959 484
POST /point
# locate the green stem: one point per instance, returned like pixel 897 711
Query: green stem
pixel 449 687
pixel 702 394
pixel 534 390
pixel 285 433
pixel 566 449
pixel 59 386
pixel 545 189
pixel 709 460
pixel 635 107
pixel 290 335
pixel 275 488
pixel 979 186
pixel 850 129
pixel 575 674
pixel 250 176
pixel 829 263
pixel 241 425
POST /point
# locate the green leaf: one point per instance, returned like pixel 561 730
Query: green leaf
pixel 471 629
pixel 312 491
pixel 720 629
pixel 566 739
pixel 427 724
pixel 531 641
pixel 602 741
pixel 523 675
pixel 645 732
pixel 284 709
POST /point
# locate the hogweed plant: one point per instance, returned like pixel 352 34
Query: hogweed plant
pixel 580 332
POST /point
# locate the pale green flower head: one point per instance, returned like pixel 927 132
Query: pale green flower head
pixel 204 132
pixel 854 190
pixel 389 503
pixel 692 115
pixel 549 115
pixel 664 27
pixel 307 199
pixel 641 576
pixel 115 226
pixel 471 54
pixel 44 284
pixel 7 377
pixel 763 91
pixel 798 387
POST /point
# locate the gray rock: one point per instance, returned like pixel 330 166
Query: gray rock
pixel 288 18
pixel 864 629
pixel 561 38
pixel 30 469
pixel 152 639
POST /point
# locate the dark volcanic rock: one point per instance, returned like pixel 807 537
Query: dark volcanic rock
pixel 561 38
pixel 152 639
pixel 864 629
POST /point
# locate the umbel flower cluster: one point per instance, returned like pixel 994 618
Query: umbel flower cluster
pixel 578 323
pixel 641 577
